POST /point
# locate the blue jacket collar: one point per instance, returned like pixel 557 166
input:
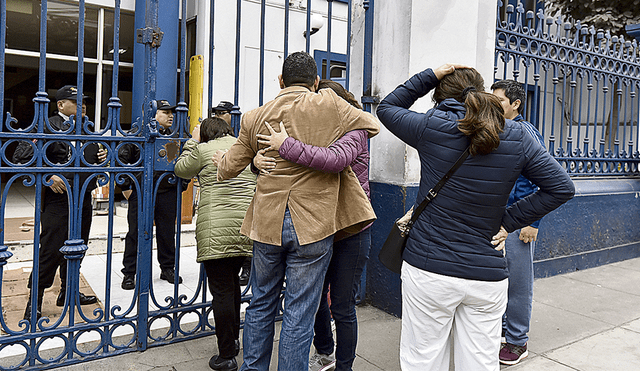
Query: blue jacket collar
pixel 451 104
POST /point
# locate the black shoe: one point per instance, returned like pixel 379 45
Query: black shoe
pixel 169 275
pixel 84 299
pixel 27 311
pixel 244 276
pixel 223 364
pixel 128 282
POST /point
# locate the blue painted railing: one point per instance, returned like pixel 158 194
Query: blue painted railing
pixel 146 307
pixel 582 87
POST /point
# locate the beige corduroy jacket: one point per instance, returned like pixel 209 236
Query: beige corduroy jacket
pixel 320 203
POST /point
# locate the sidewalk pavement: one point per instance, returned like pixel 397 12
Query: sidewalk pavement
pixel 583 321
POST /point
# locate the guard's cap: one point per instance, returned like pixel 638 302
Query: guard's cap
pixel 223 106
pixel 165 105
pixel 68 92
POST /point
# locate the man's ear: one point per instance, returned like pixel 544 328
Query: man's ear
pixel 59 104
pixel 516 104
pixel 316 83
pixel 281 81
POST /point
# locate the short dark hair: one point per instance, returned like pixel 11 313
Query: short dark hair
pixel 212 128
pixel 299 68
pixel 513 90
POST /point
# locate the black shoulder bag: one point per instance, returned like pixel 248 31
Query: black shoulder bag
pixel 391 252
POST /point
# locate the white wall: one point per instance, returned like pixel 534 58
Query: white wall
pixel 410 36
pixel 225 42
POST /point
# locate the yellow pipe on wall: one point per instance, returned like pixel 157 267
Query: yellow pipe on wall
pixel 196 80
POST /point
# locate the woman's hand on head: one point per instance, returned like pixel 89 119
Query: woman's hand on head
pixel 447 68
pixel 274 140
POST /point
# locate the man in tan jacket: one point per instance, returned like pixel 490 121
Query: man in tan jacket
pixel 295 212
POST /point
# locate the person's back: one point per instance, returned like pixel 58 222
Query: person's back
pixel 294 213
pixel 453 271
pixel 470 208
pixel 314 118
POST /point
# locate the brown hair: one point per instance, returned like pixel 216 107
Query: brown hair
pixel 484 120
pixel 340 90
pixel 213 128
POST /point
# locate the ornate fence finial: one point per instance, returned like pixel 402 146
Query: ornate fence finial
pixel 584 32
pixel 607 47
pixel 519 13
pixel 509 13
pixel 567 26
pixel 627 45
pixel 616 48
pixel 559 23
pixel 539 28
pixel 530 17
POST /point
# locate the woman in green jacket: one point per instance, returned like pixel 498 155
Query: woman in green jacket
pixel 221 247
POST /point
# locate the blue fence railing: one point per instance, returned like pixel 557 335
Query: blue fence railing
pixel 582 88
pixel 151 314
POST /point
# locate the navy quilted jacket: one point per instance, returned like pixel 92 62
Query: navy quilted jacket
pixel 453 234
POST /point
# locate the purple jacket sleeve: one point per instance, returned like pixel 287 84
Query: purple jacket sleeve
pixel 333 159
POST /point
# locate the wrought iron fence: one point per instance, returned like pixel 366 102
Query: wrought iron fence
pixel 582 88
pixel 149 317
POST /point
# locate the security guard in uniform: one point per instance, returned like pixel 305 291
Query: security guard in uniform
pixel 165 211
pixel 54 217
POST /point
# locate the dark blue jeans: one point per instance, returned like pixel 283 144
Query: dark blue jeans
pixel 343 275
pixel 304 267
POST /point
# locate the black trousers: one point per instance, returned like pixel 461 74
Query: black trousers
pixel 224 286
pixel 54 221
pixel 164 216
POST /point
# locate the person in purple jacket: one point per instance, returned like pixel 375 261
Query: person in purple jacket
pixel 350 254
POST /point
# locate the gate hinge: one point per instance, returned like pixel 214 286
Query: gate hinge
pixel 149 35
pixel 370 99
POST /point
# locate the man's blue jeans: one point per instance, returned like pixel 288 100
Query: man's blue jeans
pixel 518 314
pixel 304 267
pixel 344 272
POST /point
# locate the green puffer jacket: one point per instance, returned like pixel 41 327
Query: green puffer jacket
pixel 222 205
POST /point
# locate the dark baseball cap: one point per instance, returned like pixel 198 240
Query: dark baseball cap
pixel 68 92
pixel 224 106
pixel 165 105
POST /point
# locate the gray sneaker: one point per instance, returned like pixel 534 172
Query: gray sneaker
pixel 322 362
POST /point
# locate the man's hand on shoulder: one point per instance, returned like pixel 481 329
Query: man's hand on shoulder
pixel 217 157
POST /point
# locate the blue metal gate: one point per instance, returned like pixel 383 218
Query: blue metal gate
pixel 116 327
pixel 582 86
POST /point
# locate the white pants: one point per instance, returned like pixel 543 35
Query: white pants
pixel 436 308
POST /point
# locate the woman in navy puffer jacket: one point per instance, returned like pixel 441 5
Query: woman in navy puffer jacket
pixel 454 280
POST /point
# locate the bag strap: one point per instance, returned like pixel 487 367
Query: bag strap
pixel 433 192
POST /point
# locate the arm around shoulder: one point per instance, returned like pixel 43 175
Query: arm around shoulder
pixel 189 163
pixel 240 155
